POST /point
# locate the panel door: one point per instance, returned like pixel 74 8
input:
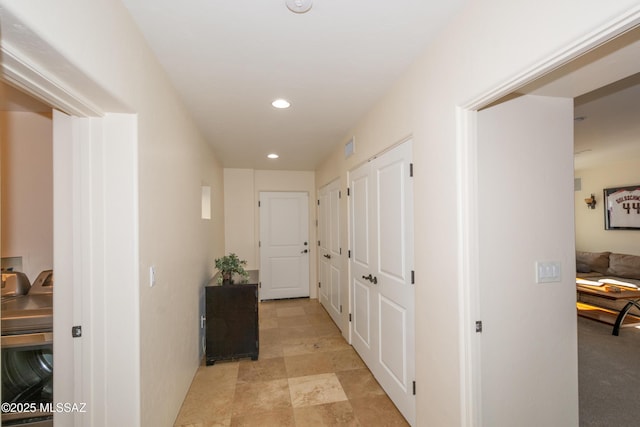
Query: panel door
pixel 383 322
pixel 284 245
pixel 364 336
pixel 525 214
pixel 330 251
pixel 395 297
pixel 323 247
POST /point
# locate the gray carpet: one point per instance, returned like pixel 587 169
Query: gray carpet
pixel 609 375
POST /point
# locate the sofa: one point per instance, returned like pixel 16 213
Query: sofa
pixel 608 265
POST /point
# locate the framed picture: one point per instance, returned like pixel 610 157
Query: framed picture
pixel 622 208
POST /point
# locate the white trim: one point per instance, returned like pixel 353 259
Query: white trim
pixel 121 270
pixel 468 266
pixel 467 213
pixel 64 260
pixel 20 72
pixel 605 33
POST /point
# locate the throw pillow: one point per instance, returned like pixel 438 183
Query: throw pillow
pixel 623 265
pixel 597 261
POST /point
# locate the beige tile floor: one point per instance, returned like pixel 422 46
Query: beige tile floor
pixel 307 375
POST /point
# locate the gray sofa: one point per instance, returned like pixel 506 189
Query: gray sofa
pixel 600 265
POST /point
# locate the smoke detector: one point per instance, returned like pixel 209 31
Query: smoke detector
pixel 299 6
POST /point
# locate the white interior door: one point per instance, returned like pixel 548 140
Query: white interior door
pixel 362 264
pixel 395 304
pixel 323 250
pixel 525 214
pixel 382 272
pixel 330 251
pixel 284 245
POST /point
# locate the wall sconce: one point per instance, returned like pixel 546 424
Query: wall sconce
pixel 591 201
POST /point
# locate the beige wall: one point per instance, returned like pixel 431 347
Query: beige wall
pixel 590 232
pixel 239 213
pixel 242 189
pixel 27 191
pixel 486 46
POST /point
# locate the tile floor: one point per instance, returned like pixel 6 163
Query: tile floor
pixel 306 375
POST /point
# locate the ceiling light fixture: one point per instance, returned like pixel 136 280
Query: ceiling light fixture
pixel 299 6
pixel 273 156
pixel 281 103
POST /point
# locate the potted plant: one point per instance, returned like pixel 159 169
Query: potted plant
pixel 229 265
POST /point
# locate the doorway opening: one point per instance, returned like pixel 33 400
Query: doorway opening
pixel 578 76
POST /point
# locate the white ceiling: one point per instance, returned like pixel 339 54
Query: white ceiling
pixel 608 128
pixel 230 59
pixel 605 85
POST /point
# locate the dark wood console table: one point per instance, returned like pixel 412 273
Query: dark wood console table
pixel 232 320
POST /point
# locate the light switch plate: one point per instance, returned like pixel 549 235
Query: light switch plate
pixel 152 276
pixel 548 272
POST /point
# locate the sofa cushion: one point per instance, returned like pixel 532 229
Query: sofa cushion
pixel 582 267
pixel 594 261
pixel 623 265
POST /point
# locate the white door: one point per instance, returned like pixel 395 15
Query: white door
pixel 323 262
pixel 284 245
pixel 361 263
pixel 330 251
pixel 381 202
pixel 525 213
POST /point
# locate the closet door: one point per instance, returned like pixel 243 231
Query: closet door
pixel 330 251
pixel 323 250
pixel 362 265
pixel 381 220
pixel 393 271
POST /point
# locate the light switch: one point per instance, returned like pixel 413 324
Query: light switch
pixel 152 276
pixel 548 272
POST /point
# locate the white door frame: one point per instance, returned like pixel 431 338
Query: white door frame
pixel 468 227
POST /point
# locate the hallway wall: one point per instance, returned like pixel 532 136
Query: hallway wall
pixel 487 46
pixel 242 188
pixel 94 50
pixel 27 191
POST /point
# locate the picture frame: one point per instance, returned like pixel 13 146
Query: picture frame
pixel 622 208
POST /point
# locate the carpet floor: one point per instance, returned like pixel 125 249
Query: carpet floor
pixel 609 375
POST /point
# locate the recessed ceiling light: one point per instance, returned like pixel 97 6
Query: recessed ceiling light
pixel 281 103
pixel 273 156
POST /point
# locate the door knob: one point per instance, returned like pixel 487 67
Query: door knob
pixel 327 256
pixel 304 252
pixel 370 278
